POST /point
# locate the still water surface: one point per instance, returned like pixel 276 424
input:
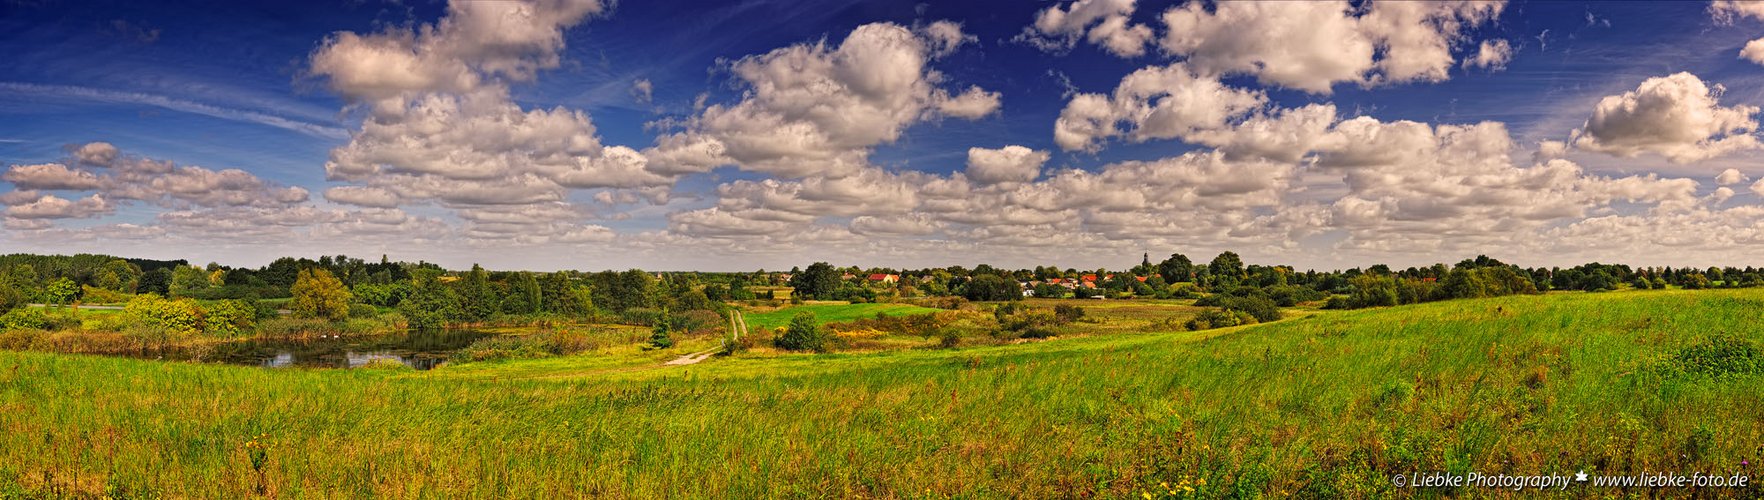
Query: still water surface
pixel 419 350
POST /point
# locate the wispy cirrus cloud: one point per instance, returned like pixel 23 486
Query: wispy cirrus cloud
pixel 320 130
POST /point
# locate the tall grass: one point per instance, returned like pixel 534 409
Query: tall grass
pixel 1327 406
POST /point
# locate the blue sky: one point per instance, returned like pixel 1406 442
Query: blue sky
pixel 231 85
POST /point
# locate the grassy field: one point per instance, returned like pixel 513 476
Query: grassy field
pixel 1103 317
pixel 831 313
pixel 1328 405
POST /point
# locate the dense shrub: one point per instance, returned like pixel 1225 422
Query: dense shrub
pixel 228 317
pixel 1067 313
pixel 686 321
pixel 639 316
pixel 1178 291
pixel 1642 283
pixel 362 311
pixel 1498 281
pixel 1373 291
pixel 179 316
pixel 10 297
pixel 1021 321
pixel 1219 318
pixel 1260 308
pixel 1378 290
pixel 385 295
pixel 1694 282
pixel 93 295
pixel 803 334
pixel 854 293
pixel 24 318
pixel 1288 295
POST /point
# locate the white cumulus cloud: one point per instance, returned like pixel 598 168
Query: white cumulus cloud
pixel 1676 116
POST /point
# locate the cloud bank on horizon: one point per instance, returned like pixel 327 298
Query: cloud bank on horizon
pixel 1080 133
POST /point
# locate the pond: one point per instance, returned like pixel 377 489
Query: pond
pixel 419 350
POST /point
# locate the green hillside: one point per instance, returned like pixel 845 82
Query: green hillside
pixel 1330 404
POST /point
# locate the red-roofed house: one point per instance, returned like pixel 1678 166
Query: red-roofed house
pixel 884 278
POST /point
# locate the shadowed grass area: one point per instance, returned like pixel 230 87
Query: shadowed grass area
pixel 1329 405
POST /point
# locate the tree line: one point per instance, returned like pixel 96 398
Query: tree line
pixel 429 296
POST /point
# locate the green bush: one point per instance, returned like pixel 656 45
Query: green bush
pixel 803 334
pixel 1219 318
pixel 260 309
pixel 1067 313
pixel 1373 291
pixel 180 316
pixel 362 311
pixel 228 317
pixel 1261 308
pixel 383 295
pixel 1289 295
pixel 94 295
pixel 10 297
pixel 24 318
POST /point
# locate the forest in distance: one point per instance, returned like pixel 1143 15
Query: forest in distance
pixel 135 304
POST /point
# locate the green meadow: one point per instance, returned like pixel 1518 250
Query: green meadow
pixel 1326 404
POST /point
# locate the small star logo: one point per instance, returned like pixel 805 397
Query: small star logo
pixel 1580 476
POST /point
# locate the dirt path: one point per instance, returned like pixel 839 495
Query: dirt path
pixel 690 358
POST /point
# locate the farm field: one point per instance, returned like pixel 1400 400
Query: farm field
pixel 1328 404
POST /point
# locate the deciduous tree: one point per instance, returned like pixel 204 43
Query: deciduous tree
pixel 819 281
pixel 477 296
pixel 319 294
pixel 431 304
